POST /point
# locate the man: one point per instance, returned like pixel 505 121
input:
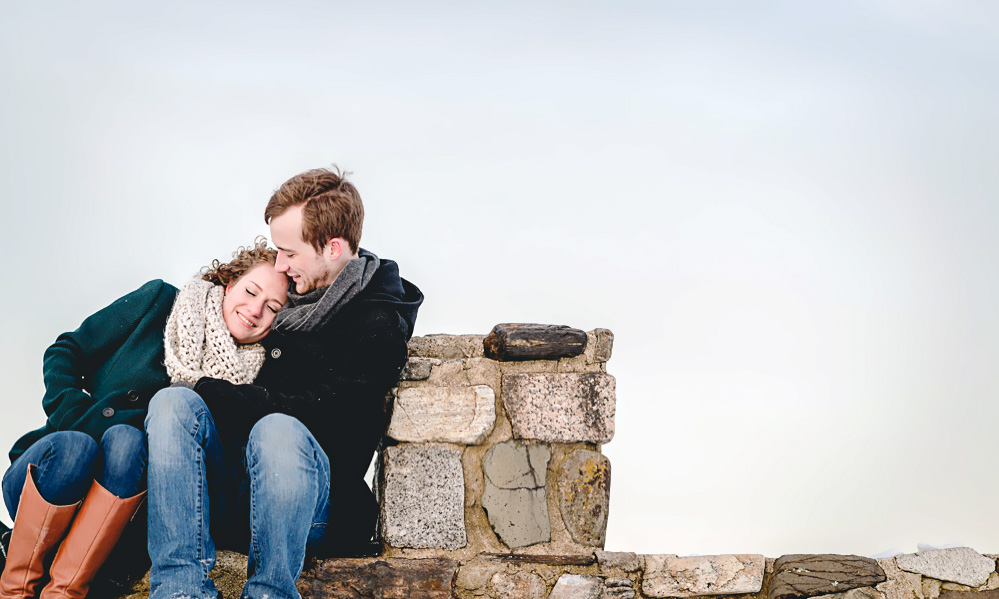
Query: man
pixel 278 466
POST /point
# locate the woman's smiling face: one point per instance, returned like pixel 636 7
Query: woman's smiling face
pixel 252 301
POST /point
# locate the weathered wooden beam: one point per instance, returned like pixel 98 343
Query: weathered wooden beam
pixel 549 560
pixel 521 341
pixel 377 578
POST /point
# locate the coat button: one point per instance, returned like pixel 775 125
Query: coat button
pixel 133 395
pixel 275 353
pixel 108 412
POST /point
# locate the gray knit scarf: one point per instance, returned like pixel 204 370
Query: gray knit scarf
pixel 313 309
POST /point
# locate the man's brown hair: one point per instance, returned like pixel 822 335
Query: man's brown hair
pixel 332 208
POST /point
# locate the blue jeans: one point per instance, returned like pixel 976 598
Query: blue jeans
pixel 68 461
pixel 203 490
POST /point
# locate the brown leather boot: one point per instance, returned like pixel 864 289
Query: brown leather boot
pixel 38 528
pixel 94 532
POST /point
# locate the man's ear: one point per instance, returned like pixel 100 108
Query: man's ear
pixel 334 248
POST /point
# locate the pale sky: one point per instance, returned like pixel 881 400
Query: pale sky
pixel 785 211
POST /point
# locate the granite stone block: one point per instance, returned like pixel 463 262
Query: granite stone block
pixel 560 408
pixel 423 504
pixel 962 565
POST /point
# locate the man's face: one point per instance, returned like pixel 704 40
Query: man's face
pixel 296 257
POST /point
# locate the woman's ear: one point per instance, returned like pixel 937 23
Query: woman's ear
pixel 227 288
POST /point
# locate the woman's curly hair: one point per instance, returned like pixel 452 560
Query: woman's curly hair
pixel 243 259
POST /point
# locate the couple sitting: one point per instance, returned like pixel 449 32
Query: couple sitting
pixel 261 400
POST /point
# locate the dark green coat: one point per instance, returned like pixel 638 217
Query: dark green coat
pixel 105 372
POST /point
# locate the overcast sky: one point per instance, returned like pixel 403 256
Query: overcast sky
pixel 785 211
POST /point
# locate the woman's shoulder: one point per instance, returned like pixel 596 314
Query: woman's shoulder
pixel 158 286
pixel 154 294
pixel 154 290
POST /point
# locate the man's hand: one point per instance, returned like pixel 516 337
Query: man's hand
pixel 235 409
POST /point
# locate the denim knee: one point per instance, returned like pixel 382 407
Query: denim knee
pixel 174 405
pixel 65 463
pixel 280 434
pixel 122 469
pixel 282 449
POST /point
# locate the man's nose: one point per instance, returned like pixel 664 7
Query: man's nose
pixel 280 263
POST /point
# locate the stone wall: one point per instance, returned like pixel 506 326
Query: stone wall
pixel 492 486
pixel 491 452
pixel 958 573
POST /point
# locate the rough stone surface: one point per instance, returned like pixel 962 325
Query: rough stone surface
pixel 522 585
pixel 619 560
pixel 900 585
pixel 474 579
pixel 962 565
pixel 447 347
pixel 514 495
pixel 584 496
pixel 561 408
pixel 807 575
pixel 574 586
pixel 990 594
pixel 860 593
pixel 516 341
pixel 618 588
pixel 379 578
pixel 447 414
pixel 932 587
pixel 418 369
pixel 672 576
pixel 423 503
pixel 464 373
pixel 604 345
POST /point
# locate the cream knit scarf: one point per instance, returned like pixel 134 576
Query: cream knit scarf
pixel 198 343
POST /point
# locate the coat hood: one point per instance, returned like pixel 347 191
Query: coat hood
pixel 387 289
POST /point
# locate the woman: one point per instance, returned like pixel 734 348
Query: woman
pixel 91 453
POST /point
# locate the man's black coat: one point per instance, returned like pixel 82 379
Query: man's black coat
pixel 334 380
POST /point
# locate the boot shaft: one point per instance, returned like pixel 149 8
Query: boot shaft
pixel 39 526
